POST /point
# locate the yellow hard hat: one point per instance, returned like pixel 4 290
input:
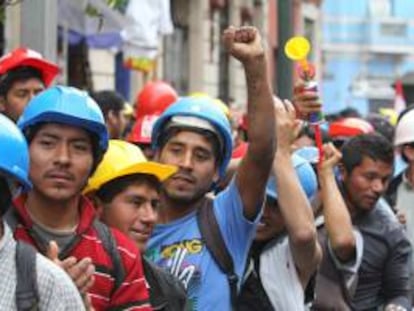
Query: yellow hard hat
pixel 128 111
pixel 390 114
pixel 123 158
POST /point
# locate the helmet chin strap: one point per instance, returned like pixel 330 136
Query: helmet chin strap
pixel 5 196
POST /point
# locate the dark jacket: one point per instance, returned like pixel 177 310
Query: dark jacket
pixel 166 292
pixel 384 274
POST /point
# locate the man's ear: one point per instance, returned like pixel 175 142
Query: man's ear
pixel 97 203
pixel 342 171
pixel 111 117
pixel 216 176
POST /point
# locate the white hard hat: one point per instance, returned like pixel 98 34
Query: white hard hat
pixel 404 132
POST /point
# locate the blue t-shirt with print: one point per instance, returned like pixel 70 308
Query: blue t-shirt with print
pixel 177 247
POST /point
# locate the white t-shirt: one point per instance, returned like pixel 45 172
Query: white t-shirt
pixel 280 278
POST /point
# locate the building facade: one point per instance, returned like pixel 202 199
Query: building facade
pixel 366 46
pixel 192 59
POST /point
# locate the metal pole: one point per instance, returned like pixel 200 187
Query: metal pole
pixel 65 53
pixel 284 74
pixel 39 26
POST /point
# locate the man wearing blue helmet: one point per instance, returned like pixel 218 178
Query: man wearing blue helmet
pixel 67 137
pixel 196 136
pixel 286 252
pixel 52 288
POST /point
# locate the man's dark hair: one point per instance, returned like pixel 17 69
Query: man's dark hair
pixel 5 196
pixel 308 130
pixel 18 74
pixel 382 126
pixel 111 189
pixel 109 100
pixel 349 113
pixel 373 146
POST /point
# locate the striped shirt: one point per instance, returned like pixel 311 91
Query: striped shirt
pixel 132 294
pixel 56 290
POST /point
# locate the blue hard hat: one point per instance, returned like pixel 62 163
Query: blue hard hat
pixel 306 175
pixel 200 108
pixel 67 105
pixel 14 154
pixel 309 153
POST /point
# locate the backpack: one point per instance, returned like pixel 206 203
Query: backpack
pixel 166 292
pixel 27 294
pixel 330 290
pixel 25 259
pixel 109 243
pixel 252 296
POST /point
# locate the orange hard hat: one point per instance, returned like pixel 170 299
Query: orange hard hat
pixel 154 98
pixel 142 129
pixel 349 127
pixel 21 57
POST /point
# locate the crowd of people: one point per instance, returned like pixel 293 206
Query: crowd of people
pixel 173 204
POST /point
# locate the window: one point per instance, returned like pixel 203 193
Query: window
pixel 309 29
pixel 176 56
pixel 376 104
pixel 393 30
pixel 224 59
pixel 176 48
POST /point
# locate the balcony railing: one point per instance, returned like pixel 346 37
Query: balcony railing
pixel 385 35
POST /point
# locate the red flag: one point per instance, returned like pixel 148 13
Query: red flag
pixel 399 100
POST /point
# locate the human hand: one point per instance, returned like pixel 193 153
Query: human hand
pixel 87 302
pixel 305 101
pixel 402 219
pixel 287 126
pixel 331 157
pixel 244 43
pixel 81 272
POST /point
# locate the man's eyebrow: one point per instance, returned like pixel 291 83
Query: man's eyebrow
pixel 48 135
pixel 57 137
pixel 80 139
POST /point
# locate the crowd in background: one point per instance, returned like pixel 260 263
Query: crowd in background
pixel 179 202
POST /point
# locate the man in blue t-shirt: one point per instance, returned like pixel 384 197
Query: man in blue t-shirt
pixel 195 135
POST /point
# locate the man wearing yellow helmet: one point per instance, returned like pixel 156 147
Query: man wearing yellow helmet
pixel 125 188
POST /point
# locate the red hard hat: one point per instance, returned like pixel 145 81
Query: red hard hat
pixel 240 151
pixel 349 127
pixel 142 129
pixel 154 98
pixel 243 122
pixel 26 57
